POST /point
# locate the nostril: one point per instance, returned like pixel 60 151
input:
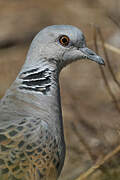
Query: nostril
pixel 91 52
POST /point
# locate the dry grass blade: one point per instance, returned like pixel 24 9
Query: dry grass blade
pixel 108 46
pixel 112 48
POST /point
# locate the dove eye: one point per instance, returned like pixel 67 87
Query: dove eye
pixel 64 40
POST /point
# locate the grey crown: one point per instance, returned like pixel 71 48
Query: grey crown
pixel 32 143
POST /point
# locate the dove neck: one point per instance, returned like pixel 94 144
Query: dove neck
pixel 41 79
pixel 38 87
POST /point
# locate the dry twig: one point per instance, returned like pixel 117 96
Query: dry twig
pixel 109 66
pixel 99 163
pixel 77 114
pixel 111 48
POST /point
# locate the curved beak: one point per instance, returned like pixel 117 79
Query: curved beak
pixel 81 53
pixel 89 54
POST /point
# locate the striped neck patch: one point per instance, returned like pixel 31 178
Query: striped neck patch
pixel 36 80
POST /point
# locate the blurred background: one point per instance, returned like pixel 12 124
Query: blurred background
pixel 90 93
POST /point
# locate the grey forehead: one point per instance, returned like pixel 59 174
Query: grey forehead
pixel 65 29
pixel 73 32
pixel 50 33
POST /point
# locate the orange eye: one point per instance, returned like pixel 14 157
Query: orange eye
pixel 64 40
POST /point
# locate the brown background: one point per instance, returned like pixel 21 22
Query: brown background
pixel 91 119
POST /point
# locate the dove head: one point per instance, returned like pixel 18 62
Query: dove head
pixel 60 45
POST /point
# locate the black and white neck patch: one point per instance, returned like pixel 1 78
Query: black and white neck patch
pixel 36 80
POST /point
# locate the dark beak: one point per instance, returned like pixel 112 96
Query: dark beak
pixel 89 54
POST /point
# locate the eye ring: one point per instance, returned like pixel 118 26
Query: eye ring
pixel 64 40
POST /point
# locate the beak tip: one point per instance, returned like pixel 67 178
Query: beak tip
pixel 101 62
pixel 89 54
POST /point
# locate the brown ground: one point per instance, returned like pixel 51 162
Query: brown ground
pixel 91 119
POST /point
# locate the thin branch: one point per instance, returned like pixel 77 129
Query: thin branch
pixel 81 139
pixel 77 114
pixel 102 71
pixel 112 48
pixel 99 163
pixel 107 46
pixel 106 56
pixel 114 20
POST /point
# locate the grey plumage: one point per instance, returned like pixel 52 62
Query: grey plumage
pixel 31 130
